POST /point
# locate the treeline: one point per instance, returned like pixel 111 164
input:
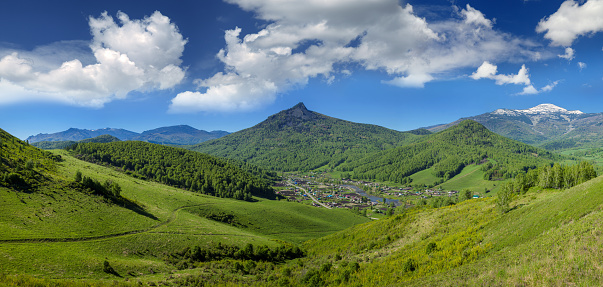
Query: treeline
pixel 179 168
pixel 67 144
pixel 107 189
pixel 556 176
pixel 448 152
pixel 189 256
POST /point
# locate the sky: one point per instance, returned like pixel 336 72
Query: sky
pixel 228 65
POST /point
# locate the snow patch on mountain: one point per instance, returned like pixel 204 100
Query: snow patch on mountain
pixel 543 109
pixel 548 109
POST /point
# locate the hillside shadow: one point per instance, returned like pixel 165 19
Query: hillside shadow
pixel 133 206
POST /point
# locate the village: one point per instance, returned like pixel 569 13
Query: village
pixel 320 190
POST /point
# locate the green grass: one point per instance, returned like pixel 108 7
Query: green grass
pixel 424 177
pixel 135 243
pixel 548 238
pixel 472 178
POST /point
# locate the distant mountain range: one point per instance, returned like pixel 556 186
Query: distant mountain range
pixel 545 125
pixel 65 144
pixel 176 135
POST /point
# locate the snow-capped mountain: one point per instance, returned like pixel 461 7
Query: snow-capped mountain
pixel 548 125
pixel 540 109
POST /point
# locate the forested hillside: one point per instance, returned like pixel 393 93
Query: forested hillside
pixel 22 166
pixel 298 139
pixel 448 152
pixel 178 167
pixel 66 144
pixel 546 125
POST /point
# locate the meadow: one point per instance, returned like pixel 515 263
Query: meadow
pixel 58 232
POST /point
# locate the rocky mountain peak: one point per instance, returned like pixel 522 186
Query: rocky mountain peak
pixel 548 109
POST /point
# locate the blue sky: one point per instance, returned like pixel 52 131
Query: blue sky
pixel 227 65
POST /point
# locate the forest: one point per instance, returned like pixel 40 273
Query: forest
pixel 178 167
pixel 302 140
pixel 447 153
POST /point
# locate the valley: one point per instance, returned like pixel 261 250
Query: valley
pixel 300 199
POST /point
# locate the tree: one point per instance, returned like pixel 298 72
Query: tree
pixel 78 176
pixel 466 194
pixel 504 197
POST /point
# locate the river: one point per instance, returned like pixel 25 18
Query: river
pixel 372 197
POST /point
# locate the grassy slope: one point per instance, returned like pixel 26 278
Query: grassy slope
pixel 549 238
pixel 472 178
pixel 56 213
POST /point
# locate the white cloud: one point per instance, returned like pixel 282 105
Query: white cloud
pixel 549 87
pixel 572 20
pixel 411 81
pixel 226 92
pixel 529 90
pixel 489 71
pixel 474 16
pixel 313 38
pixel 133 55
pixel 581 65
pixel 569 54
pixel 486 70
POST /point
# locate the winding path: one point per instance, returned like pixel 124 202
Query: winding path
pixel 107 236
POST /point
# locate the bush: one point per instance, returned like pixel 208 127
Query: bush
pixel 431 247
pixel 108 269
pixel 410 265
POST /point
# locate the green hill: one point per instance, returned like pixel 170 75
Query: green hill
pixel 446 153
pixel 177 167
pixel 547 239
pixel 22 165
pixel 57 230
pixel 299 139
pixel 61 229
pixel 66 144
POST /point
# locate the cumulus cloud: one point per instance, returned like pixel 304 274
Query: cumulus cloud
pixel 529 90
pixel 569 54
pixel 132 55
pixel 581 65
pixel 571 21
pixel 490 71
pixel 411 81
pixel 316 38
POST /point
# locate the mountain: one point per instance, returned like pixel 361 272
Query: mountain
pixel 175 135
pixel 65 144
pixel 180 135
pixel 300 139
pixel 446 153
pixel 545 123
pixel 74 134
